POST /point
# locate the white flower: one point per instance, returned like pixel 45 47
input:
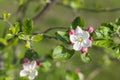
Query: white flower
pixel 29 70
pixel 80 39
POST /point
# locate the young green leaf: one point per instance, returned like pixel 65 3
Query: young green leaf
pixel 15 29
pixel 86 57
pixel 23 36
pixel 70 75
pixel 79 21
pixel 61 53
pixel 63 36
pixel 27 26
pixel 37 37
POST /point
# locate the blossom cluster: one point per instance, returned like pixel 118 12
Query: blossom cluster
pixel 81 39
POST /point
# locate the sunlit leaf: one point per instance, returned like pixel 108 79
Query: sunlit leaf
pixel 61 53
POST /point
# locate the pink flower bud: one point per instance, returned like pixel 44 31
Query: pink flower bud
pixel 90 29
pixel 77 70
pixel 71 32
pixel 38 63
pixel 90 38
pixel 84 50
pixel 25 60
pixel 70 42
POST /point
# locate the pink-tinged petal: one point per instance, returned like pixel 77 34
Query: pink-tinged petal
pixel 71 32
pixel 25 60
pixel 90 38
pixel 32 65
pixel 23 73
pixel 87 43
pixel 77 46
pixel 90 29
pixel 78 30
pixel 84 50
pixel 73 38
pixel 26 66
pixel 85 35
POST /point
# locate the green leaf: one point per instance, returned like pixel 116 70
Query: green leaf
pixel 31 54
pixel 77 22
pixel 27 26
pixel 75 4
pixel 86 58
pixel 8 36
pixel 102 33
pixel 37 37
pixel 61 53
pixel 15 29
pixel 117 21
pixel 28 44
pixel 23 36
pixel 103 43
pixel 46 65
pixel 70 75
pixel 63 36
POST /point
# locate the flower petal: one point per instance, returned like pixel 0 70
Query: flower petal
pixel 77 46
pixel 32 65
pixel 33 74
pixel 23 73
pixel 87 43
pixel 85 35
pixel 78 30
pixel 26 66
pixel 73 38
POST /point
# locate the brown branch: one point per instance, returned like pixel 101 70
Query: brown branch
pixel 93 10
pixel 93 74
pixel 42 12
pixel 100 10
pixel 54 28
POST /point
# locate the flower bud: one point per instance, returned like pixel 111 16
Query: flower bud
pixel 84 50
pixel 25 60
pixel 38 63
pixel 90 29
pixel 71 32
pixel 90 38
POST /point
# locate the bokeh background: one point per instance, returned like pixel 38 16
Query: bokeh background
pixel 101 67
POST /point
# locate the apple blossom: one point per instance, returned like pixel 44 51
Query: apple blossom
pixel 80 39
pixel 29 70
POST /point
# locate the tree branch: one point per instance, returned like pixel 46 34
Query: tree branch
pixel 8 22
pixel 43 11
pixel 93 74
pixel 93 10
pixel 54 28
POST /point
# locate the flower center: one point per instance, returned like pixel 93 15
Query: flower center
pixel 80 39
pixel 30 71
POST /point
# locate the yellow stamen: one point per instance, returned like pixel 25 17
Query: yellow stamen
pixel 80 39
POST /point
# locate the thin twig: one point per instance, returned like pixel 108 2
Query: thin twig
pixel 49 37
pixel 43 11
pixel 54 28
pixel 93 10
pixel 93 74
pixel 7 21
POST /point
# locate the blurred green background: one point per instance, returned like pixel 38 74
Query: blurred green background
pixel 61 16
